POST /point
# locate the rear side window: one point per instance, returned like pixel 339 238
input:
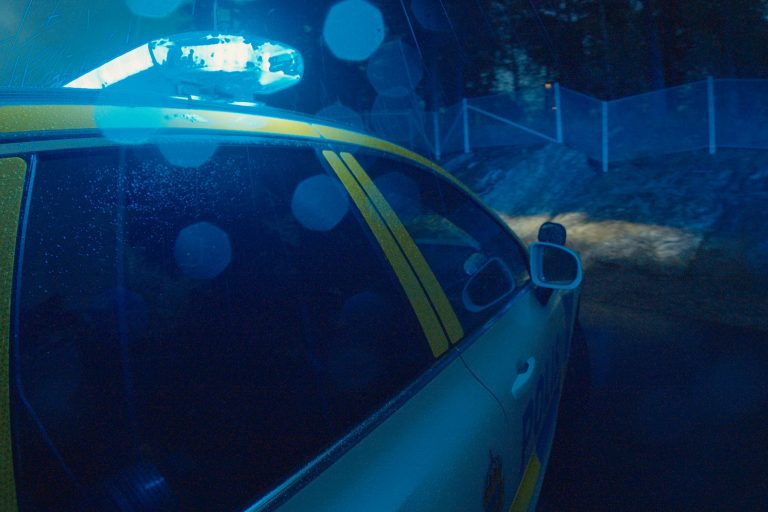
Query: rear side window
pixel 189 337
pixel 479 265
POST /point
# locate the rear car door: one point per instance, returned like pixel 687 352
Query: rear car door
pixel 437 446
pixel 510 341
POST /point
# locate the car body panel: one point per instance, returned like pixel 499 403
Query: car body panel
pixel 526 331
pixel 451 420
pixel 460 427
pixel 12 175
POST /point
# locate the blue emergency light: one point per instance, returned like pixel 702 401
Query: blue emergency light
pixel 225 66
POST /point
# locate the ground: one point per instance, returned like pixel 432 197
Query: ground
pixel 676 267
pixel 685 234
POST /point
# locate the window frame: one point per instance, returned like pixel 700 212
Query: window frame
pixel 447 180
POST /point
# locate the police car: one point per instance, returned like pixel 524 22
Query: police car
pixel 214 305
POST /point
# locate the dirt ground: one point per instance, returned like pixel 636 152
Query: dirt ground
pixel 675 314
pixel 685 235
pixel 674 420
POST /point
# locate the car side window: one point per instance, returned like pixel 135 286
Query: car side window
pixel 477 262
pixel 189 337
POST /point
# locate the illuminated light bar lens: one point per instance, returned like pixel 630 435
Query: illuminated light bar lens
pixel 232 66
pixel 119 68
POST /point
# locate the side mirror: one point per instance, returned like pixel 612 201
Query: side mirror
pixel 554 266
pixel 491 283
pixel 553 233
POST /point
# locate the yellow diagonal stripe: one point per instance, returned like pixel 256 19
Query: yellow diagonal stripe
pixel 12 171
pixel 368 141
pixel 411 250
pixel 524 493
pixel 413 290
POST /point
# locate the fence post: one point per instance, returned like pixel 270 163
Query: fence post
pixel 558 114
pixel 605 136
pixel 436 133
pixel 711 112
pixel 465 120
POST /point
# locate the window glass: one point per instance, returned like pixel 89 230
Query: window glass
pixel 475 259
pixel 189 337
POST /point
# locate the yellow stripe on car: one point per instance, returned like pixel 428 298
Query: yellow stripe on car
pixel 361 139
pixel 527 487
pixel 425 314
pixel 413 253
pixel 37 118
pixel 12 172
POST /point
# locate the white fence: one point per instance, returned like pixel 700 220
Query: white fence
pixel 709 114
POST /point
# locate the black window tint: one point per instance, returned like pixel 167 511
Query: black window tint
pixel 477 262
pixel 189 337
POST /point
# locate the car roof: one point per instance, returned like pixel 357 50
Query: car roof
pixel 36 119
pixel 28 114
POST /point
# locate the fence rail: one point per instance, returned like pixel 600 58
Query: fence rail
pixel 709 114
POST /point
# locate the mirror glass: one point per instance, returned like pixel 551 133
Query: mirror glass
pixel 558 266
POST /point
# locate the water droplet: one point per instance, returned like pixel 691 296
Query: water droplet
pixel 353 30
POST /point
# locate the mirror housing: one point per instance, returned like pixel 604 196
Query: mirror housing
pixel 555 267
pixel 553 233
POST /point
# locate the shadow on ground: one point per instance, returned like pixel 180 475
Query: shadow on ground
pixel 675 419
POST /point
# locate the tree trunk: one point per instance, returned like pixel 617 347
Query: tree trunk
pixel 606 50
pixel 656 61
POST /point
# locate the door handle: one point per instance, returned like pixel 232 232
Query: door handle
pixel 523 377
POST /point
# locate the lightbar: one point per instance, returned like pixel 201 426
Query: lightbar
pixel 228 65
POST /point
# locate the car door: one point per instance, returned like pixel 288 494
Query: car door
pixel 521 358
pixel 520 340
pixel 509 340
pixel 519 353
pixel 440 444
pixel 456 241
